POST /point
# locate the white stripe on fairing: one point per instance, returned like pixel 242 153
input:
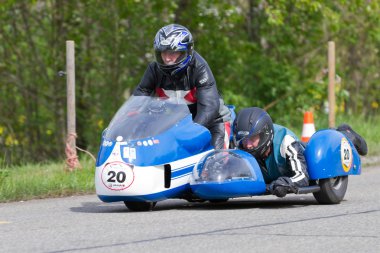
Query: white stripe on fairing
pixel 184 175
pixel 148 179
pixel 182 168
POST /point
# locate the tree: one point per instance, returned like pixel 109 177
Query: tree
pixel 263 53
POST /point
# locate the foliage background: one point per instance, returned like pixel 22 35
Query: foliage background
pixel 266 53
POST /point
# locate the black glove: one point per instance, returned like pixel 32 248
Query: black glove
pixel 281 186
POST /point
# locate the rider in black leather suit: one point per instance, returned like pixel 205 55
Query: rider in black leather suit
pixel 188 77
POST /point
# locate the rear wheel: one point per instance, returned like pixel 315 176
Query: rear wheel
pixel 332 190
pixel 140 206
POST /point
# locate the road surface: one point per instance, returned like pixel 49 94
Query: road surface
pixel 295 223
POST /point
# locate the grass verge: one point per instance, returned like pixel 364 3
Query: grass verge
pixel 368 128
pixel 45 180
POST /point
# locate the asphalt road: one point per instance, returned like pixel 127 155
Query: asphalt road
pixel 295 223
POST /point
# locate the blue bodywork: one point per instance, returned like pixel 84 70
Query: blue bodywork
pixel 180 141
pixel 227 174
pixel 148 151
pixel 328 154
pixel 152 150
pixel 324 152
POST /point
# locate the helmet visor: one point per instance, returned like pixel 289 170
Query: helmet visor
pixel 170 57
pixel 254 141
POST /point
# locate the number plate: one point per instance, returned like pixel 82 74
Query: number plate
pixel 346 154
pixel 117 176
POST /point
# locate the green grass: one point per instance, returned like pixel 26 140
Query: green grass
pixel 45 180
pixel 368 128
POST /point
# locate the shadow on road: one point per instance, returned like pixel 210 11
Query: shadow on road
pixel 100 207
pixel 242 203
pixel 175 204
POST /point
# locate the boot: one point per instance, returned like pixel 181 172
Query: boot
pixel 355 138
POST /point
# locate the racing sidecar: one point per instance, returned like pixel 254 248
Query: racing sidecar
pixel 148 152
pixel 330 158
pixel 152 150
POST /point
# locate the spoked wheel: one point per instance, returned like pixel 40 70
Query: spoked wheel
pixel 332 190
pixel 140 206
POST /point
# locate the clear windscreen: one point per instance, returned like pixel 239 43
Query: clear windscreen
pixel 145 116
pixel 222 165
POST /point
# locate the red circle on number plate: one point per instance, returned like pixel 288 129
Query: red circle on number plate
pixel 117 176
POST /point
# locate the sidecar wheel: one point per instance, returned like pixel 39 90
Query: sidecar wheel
pixel 332 190
pixel 140 206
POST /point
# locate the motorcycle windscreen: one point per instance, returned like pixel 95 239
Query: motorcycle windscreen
pixel 142 117
pixel 223 174
pixel 153 131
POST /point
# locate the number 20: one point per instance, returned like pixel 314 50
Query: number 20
pixel 120 176
pixel 346 154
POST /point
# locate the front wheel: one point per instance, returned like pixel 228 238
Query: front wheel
pixel 140 206
pixel 332 190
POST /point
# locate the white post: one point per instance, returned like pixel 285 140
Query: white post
pixel 331 88
pixel 70 81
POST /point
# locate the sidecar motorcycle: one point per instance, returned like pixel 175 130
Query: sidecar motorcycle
pixel 152 151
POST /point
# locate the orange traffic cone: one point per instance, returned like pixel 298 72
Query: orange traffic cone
pixel 308 128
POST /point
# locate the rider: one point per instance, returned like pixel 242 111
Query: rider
pixel 277 149
pixel 179 71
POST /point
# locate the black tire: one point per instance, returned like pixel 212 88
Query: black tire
pixel 215 201
pixel 196 200
pixel 332 190
pixel 140 206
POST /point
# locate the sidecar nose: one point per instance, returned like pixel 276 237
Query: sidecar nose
pixel 226 174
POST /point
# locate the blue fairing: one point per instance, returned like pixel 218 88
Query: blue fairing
pixel 174 144
pixel 228 189
pixel 329 154
pixel 153 131
pixel 104 152
pixel 227 174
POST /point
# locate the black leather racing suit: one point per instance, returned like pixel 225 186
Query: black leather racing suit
pixel 197 86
